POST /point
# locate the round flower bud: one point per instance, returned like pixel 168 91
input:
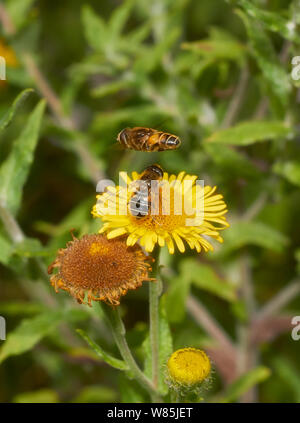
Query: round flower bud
pixel 188 368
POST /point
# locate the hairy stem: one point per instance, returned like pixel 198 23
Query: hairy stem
pixel 118 330
pixel 154 293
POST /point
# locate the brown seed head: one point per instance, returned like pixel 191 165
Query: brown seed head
pixel 101 268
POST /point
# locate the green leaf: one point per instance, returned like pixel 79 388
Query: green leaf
pixel 95 29
pixel 241 234
pixel 119 17
pixel 176 296
pixel 217 49
pixel 204 277
pixel 29 333
pixel 244 383
pixel 288 169
pixel 110 88
pixel 271 20
pixel 146 63
pixel 109 359
pixel 15 169
pixel 234 162
pixel 7 118
pixel 30 247
pixel 18 11
pixel 130 391
pixel 33 330
pixel 247 133
pixel 289 375
pixel 36 397
pixel 165 349
pixel 6 250
pixel 277 77
pixel 15 308
pixel 96 394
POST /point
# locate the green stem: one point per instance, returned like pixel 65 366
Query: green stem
pixel 118 330
pixel 154 293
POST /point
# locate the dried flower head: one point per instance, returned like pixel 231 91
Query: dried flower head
pixel 101 269
pixel 165 228
pixel 188 368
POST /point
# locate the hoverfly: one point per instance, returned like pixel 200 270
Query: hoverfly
pixel 140 202
pixel 147 139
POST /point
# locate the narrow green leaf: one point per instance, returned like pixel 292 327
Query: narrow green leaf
pixel 130 391
pixel 109 359
pixel 96 394
pixel 110 88
pixel 289 375
pixel 30 247
pixel 6 250
pixel 20 308
pixel 247 133
pixel 29 333
pixel 204 277
pixel 95 29
pixel 14 171
pixel 146 63
pixel 46 396
pixel 7 118
pixel 253 233
pixel 244 383
pixel 217 49
pixel 288 169
pixel 119 17
pixel 272 21
pixel 176 296
pixel 18 11
pixel 165 349
pixel 267 60
pixel 231 160
pixel 33 330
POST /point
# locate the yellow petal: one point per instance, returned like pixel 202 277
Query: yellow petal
pixel 116 232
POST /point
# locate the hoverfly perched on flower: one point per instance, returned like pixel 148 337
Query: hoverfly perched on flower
pixel 147 139
pixel 140 202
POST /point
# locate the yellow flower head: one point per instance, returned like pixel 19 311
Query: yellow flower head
pixel 188 367
pixel 101 269
pixel 191 214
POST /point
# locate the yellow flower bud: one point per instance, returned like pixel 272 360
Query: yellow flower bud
pixel 188 367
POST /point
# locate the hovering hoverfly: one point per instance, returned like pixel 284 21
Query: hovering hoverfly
pixel 140 202
pixel 147 139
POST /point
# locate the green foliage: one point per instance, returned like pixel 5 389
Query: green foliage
pixel 32 330
pixel 14 171
pixel 7 118
pixel 244 383
pixel 253 233
pixel 112 361
pixel 218 74
pixel 165 349
pixel 289 169
pixel 247 133
pixel 92 394
pixel 35 397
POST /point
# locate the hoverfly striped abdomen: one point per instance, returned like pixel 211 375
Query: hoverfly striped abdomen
pixel 147 139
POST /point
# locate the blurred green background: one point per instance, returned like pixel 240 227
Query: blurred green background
pixel 216 73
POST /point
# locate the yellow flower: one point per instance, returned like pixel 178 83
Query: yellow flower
pixel 8 54
pixel 188 367
pixel 206 219
pixel 101 269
